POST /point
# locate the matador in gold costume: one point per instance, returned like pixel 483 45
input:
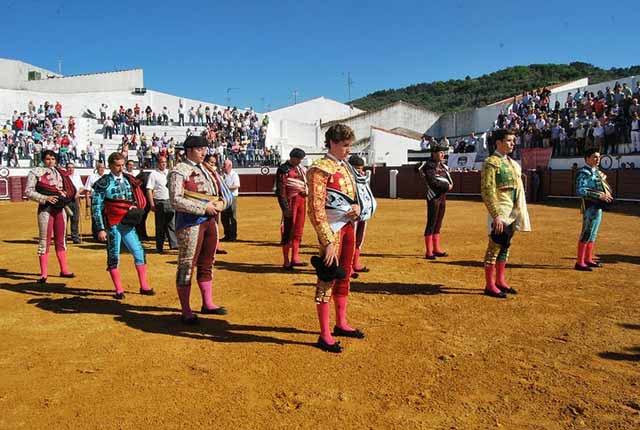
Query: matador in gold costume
pixel 503 195
pixel 333 208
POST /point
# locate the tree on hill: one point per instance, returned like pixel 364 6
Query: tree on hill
pixel 459 94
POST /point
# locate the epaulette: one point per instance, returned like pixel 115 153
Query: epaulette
pixel 493 160
pixel 284 168
pixel 101 184
pixel 183 169
pixel 39 171
pixel 327 165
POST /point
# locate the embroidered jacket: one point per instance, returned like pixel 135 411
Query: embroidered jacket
pixel 503 191
pixel 42 175
pixel 590 182
pixel 290 182
pixel 327 173
pixel 111 199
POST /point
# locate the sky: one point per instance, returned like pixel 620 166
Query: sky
pixel 269 54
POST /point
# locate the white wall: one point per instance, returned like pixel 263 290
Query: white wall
pixel 125 80
pixel 390 148
pixel 397 115
pixel 314 111
pixel 13 73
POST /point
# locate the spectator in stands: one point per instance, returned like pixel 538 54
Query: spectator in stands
pixel 192 116
pixel 102 155
pixel 108 127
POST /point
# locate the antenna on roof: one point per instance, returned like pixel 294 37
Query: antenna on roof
pixel 295 95
pixel 60 66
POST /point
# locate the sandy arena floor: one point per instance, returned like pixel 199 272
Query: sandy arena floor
pixel 563 354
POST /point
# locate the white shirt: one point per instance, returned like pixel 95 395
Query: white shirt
pixel 77 181
pixel 158 183
pixel 92 179
pixel 232 180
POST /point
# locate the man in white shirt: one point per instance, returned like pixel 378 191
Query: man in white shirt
pixel 88 187
pixel 158 197
pixel 75 204
pixel 229 216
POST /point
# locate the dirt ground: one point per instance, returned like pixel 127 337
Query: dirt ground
pixel 563 354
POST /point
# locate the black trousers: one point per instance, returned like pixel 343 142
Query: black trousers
pixel 165 224
pixel 75 221
pixel 229 221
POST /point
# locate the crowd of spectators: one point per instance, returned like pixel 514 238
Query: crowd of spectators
pixel 37 129
pixel 603 120
pixel 233 134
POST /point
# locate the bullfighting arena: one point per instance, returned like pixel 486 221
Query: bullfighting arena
pixel 563 354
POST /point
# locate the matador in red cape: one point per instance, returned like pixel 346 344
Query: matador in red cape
pixel 52 189
pixel 291 191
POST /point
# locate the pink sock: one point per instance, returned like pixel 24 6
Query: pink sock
pixel 341 312
pixel 588 255
pixel 323 317
pixel 183 295
pixel 285 254
pixel 44 265
pixel 356 260
pixel 142 276
pixel 489 272
pixel 62 259
pixel 501 269
pixel 115 277
pixel 428 243
pixel 436 243
pixel 582 248
pixel 295 246
pixel 206 290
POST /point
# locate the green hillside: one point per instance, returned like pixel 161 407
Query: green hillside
pixel 458 94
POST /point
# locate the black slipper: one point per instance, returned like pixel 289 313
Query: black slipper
pixel 336 347
pixel 216 311
pixel 356 334
pixel 500 295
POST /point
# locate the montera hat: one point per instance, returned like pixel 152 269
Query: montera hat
pixel 355 160
pixel 194 142
pixel 327 274
pixel 297 153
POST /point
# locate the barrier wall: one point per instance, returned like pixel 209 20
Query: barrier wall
pixel 625 183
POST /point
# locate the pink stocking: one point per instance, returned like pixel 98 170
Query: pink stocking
pixel 115 277
pixel 582 249
pixel 501 269
pixel 588 255
pixel 436 243
pixel 183 294
pixel 142 276
pixel 206 290
pixel 323 317
pixel 62 259
pixel 489 272
pixel 44 265
pixel 428 243
pixel 341 313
